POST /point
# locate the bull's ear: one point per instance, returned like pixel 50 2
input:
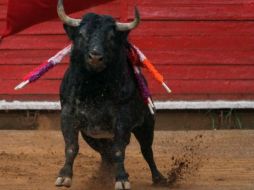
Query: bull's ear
pixel 71 31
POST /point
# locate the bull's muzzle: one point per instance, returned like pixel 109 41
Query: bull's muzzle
pixel 96 61
pixel 95 57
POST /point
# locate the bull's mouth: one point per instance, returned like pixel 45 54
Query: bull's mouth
pixel 98 67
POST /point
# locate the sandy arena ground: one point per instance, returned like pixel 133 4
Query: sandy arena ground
pixel 30 160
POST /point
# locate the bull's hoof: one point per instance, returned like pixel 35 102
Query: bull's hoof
pixel 63 182
pixel 122 185
pixel 160 180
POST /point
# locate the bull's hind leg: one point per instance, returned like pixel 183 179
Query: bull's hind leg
pixel 70 134
pixel 145 135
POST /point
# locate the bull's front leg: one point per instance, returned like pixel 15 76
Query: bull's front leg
pixel 121 140
pixel 70 134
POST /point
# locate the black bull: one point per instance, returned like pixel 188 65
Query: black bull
pixel 100 98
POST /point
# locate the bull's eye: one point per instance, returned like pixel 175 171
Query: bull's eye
pixel 83 34
pixel 111 35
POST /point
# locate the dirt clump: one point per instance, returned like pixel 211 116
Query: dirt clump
pixel 187 162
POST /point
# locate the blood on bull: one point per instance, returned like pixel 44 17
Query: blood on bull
pixel 100 98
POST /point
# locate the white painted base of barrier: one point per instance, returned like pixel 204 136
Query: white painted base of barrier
pixel 160 105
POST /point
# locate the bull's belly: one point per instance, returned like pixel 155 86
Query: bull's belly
pixel 98 133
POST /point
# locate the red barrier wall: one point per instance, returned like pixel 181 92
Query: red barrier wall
pixel 205 49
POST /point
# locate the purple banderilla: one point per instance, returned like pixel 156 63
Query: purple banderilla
pixel 143 87
pixel 41 71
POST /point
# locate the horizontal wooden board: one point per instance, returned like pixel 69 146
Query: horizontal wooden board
pixel 211 72
pixel 29 97
pixel 193 2
pixel 194 10
pixel 206 87
pixel 159 97
pixel 18 72
pixel 174 72
pixel 187 57
pixel 178 87
pixel 27 57
pixel 40 87
pixel 227 43
pixel 222 43
pixel 201 57
pixel 34 42
pixel 194 28
pixel 156 28
pixel 197 97
pixel 24 57
pixel 49 28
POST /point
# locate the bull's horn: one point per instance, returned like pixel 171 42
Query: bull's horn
pixel 131 25
pixel 65 18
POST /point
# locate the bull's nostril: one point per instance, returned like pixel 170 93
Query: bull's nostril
pixel 95 57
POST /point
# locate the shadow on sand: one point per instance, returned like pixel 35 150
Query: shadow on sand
pixel 103 178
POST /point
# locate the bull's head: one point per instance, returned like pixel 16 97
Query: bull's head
pixel 96 38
